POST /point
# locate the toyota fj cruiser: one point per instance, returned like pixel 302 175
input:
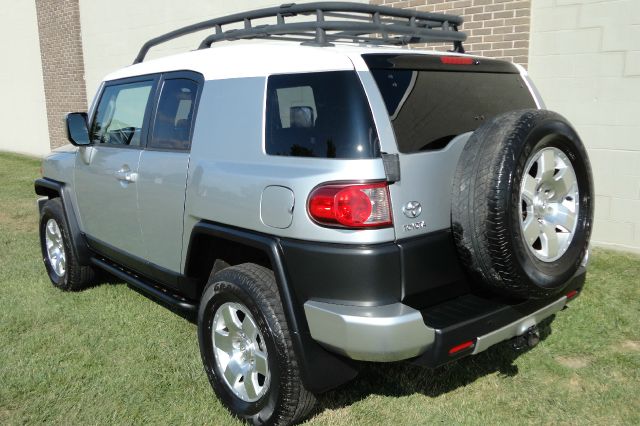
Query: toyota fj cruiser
pixel 323 197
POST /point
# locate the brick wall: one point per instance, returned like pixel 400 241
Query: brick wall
pixel 62 63
pixel 495 28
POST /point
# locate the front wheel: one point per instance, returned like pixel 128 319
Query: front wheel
pixel 58 254
pixel 246 348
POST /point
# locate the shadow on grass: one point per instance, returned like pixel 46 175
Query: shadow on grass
pixel 402 379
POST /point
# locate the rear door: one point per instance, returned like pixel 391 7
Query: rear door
pixel 434 105
pixel 163 169
pixel 106 171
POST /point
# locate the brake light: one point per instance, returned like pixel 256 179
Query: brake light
pixel 351 205
pixel 457 60
pixel 572 294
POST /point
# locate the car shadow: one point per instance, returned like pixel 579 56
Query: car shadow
pixel 402 379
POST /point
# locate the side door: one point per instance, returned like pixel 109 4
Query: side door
pixel 107 170
pixel 164 164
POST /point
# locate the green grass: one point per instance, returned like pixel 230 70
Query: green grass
pixel 109 355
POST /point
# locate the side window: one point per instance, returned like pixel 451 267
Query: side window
pixel 323 115
pixel 172 125
pixel 120 114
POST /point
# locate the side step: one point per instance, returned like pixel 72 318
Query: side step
pixel 146 287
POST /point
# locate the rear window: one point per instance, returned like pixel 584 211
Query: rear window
pixel 429 108
pixel 323 115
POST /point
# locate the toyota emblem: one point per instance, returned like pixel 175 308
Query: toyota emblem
pixel 412 209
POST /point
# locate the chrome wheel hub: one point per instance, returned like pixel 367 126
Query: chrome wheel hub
pixel 240 352
pixel 549 204
pixel 55 248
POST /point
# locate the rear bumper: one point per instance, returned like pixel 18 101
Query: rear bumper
pixel 379 333
pixel 396 331
pixel 519 327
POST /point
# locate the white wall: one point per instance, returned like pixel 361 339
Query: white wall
pixel 23 114
pixel 585 59
pixel 114 31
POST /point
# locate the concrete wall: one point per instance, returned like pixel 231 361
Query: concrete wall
pixel 23 116
pixel 585 59
pixel 112 39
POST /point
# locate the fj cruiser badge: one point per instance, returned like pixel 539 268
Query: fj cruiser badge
pixel 412 209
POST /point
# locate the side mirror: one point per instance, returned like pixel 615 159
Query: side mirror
pixel 77 131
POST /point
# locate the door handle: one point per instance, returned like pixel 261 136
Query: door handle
pixel 126 175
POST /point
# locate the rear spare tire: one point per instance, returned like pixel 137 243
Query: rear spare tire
pixel 522 204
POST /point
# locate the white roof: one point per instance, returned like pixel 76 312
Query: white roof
pixel 258 58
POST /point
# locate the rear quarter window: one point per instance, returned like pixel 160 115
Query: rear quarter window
pixel 323 115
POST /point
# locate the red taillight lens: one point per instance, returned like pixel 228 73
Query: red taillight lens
pixel 351 205
pixel 457 60
pixel 572 294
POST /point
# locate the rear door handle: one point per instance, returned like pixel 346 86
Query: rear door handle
pixel 126 175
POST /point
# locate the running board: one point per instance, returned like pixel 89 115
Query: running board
pixel 145 286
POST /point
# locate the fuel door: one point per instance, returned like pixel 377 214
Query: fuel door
pixel 276 206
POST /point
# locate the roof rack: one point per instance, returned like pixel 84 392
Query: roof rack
pixel 356 22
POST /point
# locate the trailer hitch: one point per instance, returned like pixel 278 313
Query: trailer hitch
pixel 528 339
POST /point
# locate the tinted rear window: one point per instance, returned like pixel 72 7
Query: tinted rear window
pixel 429 108
pixel 322 115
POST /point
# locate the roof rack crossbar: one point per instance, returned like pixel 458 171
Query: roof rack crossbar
pixel 423 34
pixel 356 22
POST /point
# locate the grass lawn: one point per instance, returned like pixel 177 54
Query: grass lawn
pixel 109 355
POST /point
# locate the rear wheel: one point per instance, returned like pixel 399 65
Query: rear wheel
pixel 246 348
pixel 522 204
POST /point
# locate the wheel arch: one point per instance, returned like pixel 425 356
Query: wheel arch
pixel 53 189
pixel 320 369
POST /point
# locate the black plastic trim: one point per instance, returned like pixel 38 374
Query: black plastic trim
pixel 407 61
pixel 471 316
pixel 431 271
pixel 48 187
pixel 361 275
pixel 419 271
pixel 175 281
pixel 320 369
pixel 146 287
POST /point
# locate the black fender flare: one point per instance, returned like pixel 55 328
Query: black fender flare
pixel 51 189
pixel 321 370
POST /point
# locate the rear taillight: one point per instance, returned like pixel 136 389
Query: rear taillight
pixel 351 205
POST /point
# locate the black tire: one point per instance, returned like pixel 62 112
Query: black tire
pixel 486 211
pixel 286 401
pixel 76 276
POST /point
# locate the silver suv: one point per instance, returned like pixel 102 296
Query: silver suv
pixel 323 197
